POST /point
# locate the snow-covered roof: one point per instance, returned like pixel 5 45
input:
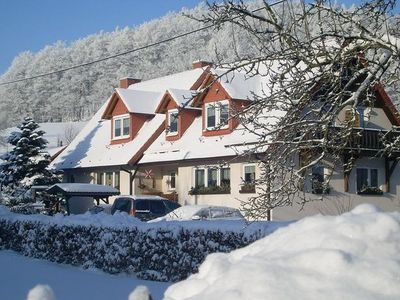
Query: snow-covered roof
pixel 137 101
pixel 83 189
pixel 91 148
pixel 183 80
pixel 183 98
pixel 192 145
pixel 240 85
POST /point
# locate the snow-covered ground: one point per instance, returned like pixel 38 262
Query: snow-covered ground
pixel 352 256
pixel 19 274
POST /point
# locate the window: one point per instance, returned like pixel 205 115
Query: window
pixel 199 178
pixel 352 117
pixel 367 179
pixel 121 127
pixel 108 178
pixel 248 179
pixel 116 180
pixel 226 176
pixel 100 178
pixel 318 185
pixel 173 122
pixel 249 174
pixel 172 181
pixel 212 177
pixel 217 115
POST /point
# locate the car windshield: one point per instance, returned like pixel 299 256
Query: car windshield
pixel 142 205
pixel 224 212
pixel 122 205
pixel 157 207
pixel 171 205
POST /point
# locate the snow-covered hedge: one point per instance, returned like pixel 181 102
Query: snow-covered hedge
pixel 164 251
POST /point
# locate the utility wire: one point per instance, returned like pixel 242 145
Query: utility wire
pixel 126 52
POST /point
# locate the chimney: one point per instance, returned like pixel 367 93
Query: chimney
pixel 201 63
pixel 124 83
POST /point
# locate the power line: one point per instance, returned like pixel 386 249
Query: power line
pixel 125 52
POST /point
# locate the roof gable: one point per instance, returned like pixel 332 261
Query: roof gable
pixel 387 105
pixel 180 99
pixel 141 102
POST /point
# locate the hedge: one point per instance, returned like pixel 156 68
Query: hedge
pixel 152 252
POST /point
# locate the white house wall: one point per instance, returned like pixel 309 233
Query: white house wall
pixel 374 118
pixel 339 201
pixel 234 199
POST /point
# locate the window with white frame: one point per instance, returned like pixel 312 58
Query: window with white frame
pixel 108 178
pixel 121 126
pixel 248 179
pixel 217 115
pixel 367 178
pixel 171 181
pixel 173 122
pixel 199 178
pixel 212 177
pixel 249 174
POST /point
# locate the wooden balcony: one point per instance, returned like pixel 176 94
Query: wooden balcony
pixel 375 140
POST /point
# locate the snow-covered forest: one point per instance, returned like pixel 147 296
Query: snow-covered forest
pixel 75 95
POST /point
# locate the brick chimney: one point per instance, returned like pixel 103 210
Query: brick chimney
pixel 124 83
pixel 200 64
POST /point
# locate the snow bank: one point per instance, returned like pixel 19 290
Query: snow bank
pixel 352 256
pixel 41 292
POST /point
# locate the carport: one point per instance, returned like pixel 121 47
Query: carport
pixel 96 191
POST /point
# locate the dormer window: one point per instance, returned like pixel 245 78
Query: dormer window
pixel 121 127
pixel 217 115
pixel 172 122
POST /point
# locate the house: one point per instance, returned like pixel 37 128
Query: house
pixel 163 137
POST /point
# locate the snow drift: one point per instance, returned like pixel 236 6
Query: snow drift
pixel 352 256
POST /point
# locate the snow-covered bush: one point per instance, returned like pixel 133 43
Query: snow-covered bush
pixel 163 251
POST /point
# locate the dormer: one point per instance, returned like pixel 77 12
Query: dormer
pixel 128 110
pixel 218 106
pixel 179 114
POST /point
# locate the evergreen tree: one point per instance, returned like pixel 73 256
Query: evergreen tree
pixel 26 164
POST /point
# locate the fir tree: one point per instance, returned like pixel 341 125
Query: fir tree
pixel 26 164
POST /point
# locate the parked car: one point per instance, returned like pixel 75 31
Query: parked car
pixel 144 207
pixel 202 212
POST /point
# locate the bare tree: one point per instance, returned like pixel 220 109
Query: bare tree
pixel 70 132
pixel 317 61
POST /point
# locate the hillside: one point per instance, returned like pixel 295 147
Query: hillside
pixel 75 95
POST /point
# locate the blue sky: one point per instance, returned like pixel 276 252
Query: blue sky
pixel 33 24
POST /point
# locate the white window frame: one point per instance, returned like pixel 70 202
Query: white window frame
pixel 243 171
pixel 170 188
pixel 121 118
pixel 170 112
pixel 104 178
pixel 206 174
pixel 217 105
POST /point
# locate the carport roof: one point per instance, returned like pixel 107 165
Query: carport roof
pixel 83 190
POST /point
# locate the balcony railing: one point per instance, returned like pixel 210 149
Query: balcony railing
pixel 372 139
